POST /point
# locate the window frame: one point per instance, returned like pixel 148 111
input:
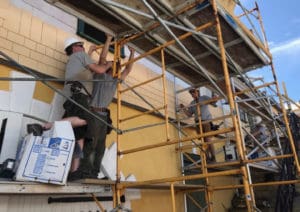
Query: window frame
pixel 83 29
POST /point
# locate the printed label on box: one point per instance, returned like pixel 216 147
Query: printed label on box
pixel 46 160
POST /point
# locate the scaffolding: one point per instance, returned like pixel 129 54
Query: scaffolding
pixel 249 96
pixel 235 88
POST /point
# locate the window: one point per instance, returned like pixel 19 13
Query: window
pixel 94 35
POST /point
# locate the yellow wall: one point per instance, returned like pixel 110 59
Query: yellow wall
pixel 162 162
pixel 150 164
pixel 4 72
pixel 158 201
pixel 223 197
pixel 44 93
pixel 30 41
pixel 152 159
pixel 41 91
pixel 39 46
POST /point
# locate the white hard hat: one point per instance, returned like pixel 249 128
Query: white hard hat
pixel 70 41
pixel 257 120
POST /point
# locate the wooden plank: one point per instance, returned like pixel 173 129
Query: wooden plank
pixel 38 188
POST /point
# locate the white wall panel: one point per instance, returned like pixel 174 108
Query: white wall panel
pixel 57 109
pixel 40 109
pixel 21 94
pixel 4 100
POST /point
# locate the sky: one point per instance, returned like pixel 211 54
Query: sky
pixel 281 21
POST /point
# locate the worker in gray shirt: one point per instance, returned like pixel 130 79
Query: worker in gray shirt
pixel 79 67
pixel 91 131
pixel 205 115
pixel 102 95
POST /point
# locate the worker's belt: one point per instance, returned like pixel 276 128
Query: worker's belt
pixel 99 109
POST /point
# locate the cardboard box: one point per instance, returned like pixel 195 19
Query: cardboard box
pixel 62 129
pixel 46 159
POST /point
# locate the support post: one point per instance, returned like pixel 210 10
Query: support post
pixel 249 198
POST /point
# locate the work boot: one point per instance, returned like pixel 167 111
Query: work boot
pixel 211 159
pixel 76 175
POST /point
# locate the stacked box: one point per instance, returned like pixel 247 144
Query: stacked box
pixel 47 159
